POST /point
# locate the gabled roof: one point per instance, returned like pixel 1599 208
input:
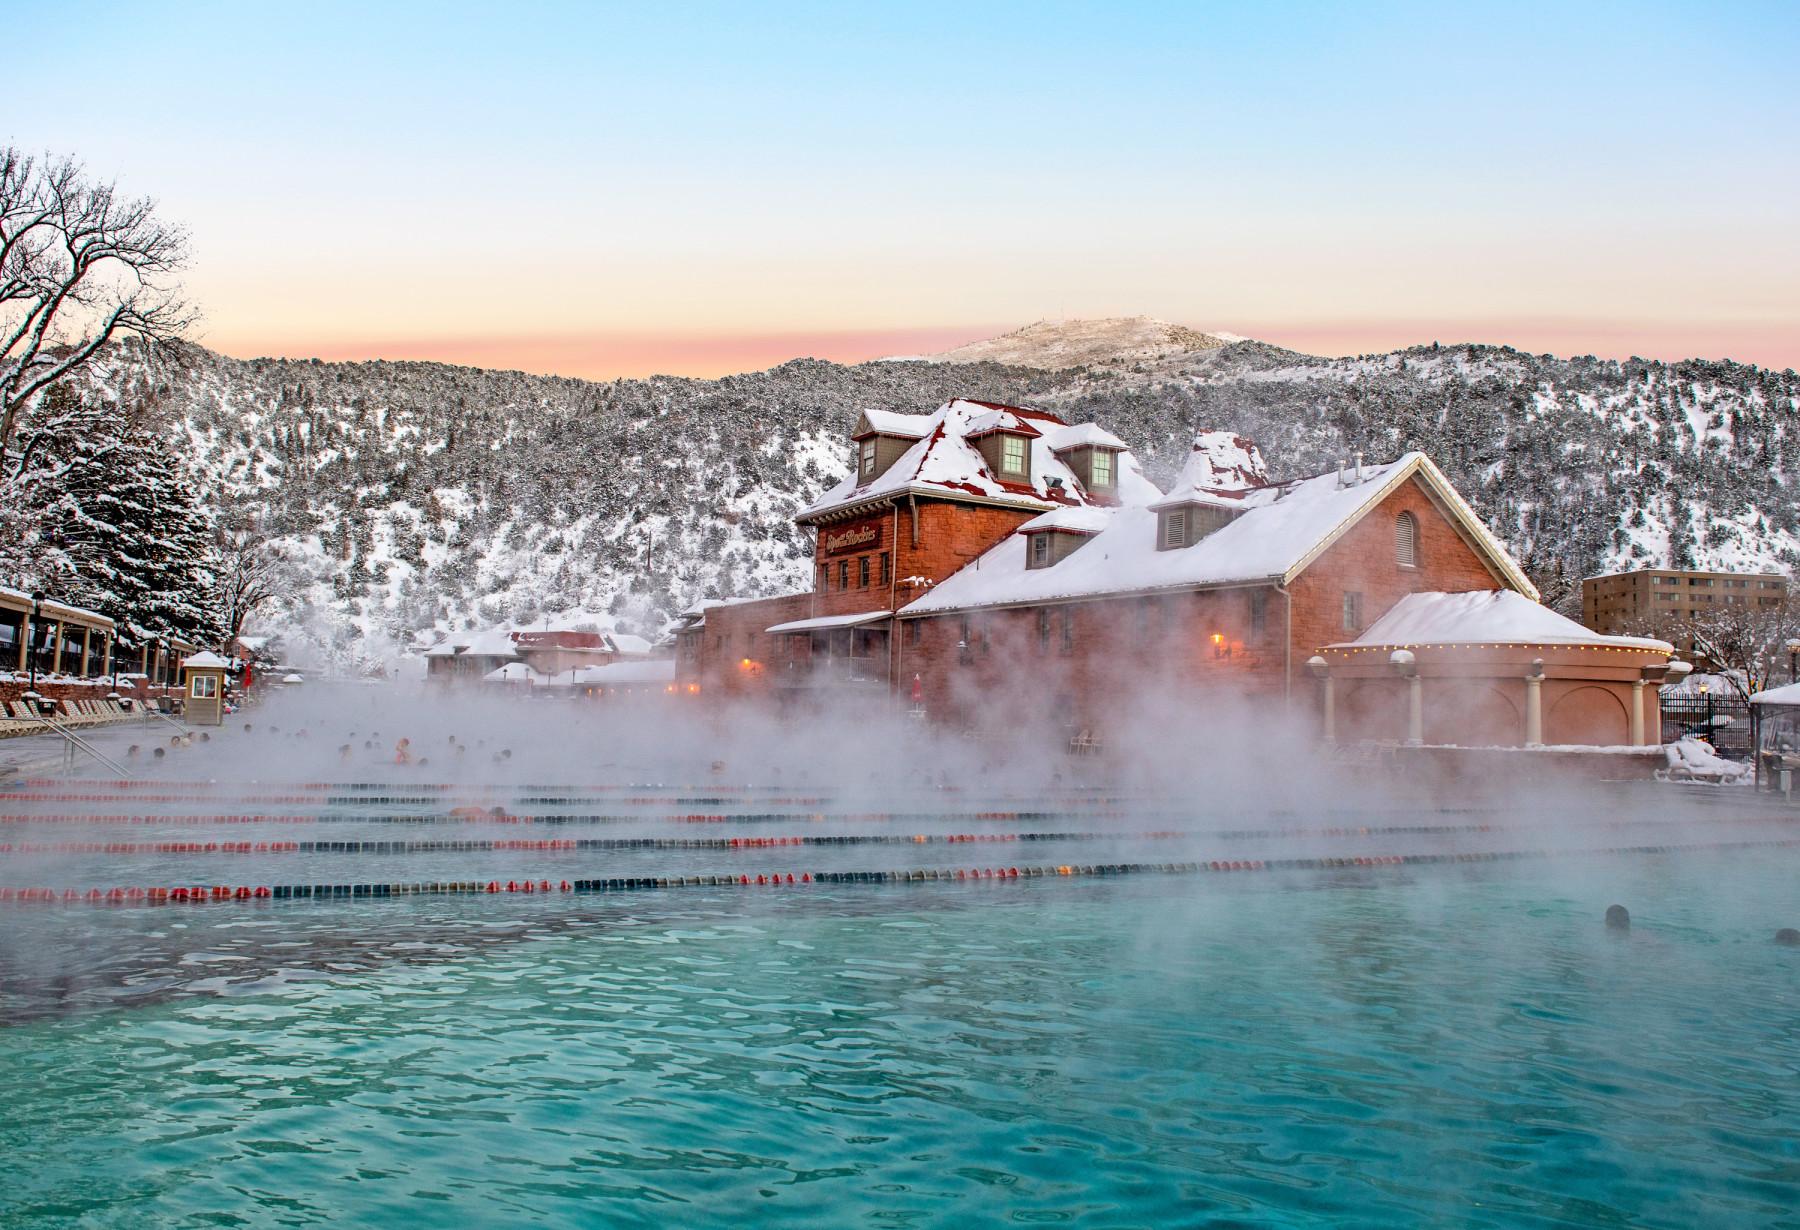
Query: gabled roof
pixel 890 423
pixel 943 463
pixel 206 658
pixel 1484 617
pixel 1281 529
pixel 1078 435
pixel 1077 520
pixel 998 419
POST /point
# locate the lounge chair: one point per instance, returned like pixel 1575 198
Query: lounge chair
pixel 1692 760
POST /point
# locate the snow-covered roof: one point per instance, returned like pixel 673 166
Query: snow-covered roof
pixel 1281 529
pixel 494 643
pixel 1000 418
pixel 21 600
pixel 513 672
pixel 893 423
pixel 446 649
pixel 944 462
pixel 822 622
pixel 1485 617
pixel 1786 694
pixel 1220 468
pixel 1082 519
pixel 695 616
pixel 654 671
pixel 1077 435
pixel 206 658
pixel 626 642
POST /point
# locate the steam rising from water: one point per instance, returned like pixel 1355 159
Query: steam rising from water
pixel 686 777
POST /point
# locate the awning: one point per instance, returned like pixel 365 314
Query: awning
pixel 826 622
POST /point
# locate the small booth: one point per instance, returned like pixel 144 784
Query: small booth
pixel 1775 737
pixel 204 675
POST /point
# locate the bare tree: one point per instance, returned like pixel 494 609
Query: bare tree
pixel 79 266
pixel 1745 644
pixel 249 577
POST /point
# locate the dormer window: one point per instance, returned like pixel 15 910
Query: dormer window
pixel 1174 528
pixel 1183 525
pixel 1051 546
pixel 1100 470
pixel 865 459
pixel 1013 451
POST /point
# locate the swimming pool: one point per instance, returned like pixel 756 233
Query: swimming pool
pixel 1453 1042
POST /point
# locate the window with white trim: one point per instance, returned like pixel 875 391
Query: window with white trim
pixel 203 687
pixel 1040 550
pixel 1012 454
pixel 1100 469
pixel 866 459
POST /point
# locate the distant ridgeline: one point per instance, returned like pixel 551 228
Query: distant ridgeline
pixel 414 495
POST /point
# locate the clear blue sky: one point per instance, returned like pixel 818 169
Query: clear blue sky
pixel 595 188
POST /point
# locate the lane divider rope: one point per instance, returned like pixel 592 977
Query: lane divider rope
pixel 185 894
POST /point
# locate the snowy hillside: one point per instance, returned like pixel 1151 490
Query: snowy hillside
pixel 1055 344
pixel 419 496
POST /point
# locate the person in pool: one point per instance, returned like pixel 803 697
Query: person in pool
pixel 403 751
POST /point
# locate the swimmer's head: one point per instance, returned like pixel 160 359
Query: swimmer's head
pixel 160 752
pixel 133 750
pixel 1618 918
pixel 1787 937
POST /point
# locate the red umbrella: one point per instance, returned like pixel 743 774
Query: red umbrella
pixel 918 690
pixel 245 682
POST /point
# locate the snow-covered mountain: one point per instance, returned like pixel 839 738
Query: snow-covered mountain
pixel 420 496
pixel 1056 344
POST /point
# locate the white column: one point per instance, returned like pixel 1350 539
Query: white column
pixel 1330 712
pixel 1415 711
pixel 1637 713
pixel 1534 711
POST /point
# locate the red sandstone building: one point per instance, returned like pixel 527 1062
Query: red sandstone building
pixel 988 551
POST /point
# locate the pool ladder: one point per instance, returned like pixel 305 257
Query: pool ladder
pixel 73 742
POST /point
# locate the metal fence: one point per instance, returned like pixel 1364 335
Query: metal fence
pixel 1723 722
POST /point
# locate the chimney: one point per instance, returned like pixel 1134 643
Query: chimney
pixel 1359 474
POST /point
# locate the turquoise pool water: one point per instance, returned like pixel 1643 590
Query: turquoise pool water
pixel 1459 1046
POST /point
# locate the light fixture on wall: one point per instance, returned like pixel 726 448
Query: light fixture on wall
pixel 1221 649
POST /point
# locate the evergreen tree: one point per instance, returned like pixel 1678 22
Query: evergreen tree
pixel 118 525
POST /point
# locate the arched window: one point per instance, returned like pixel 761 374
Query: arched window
pixel 1406 540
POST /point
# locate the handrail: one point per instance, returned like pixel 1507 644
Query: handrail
pixel 71 741
pixel 152 711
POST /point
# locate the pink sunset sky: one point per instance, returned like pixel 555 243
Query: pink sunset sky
pixel 607 190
